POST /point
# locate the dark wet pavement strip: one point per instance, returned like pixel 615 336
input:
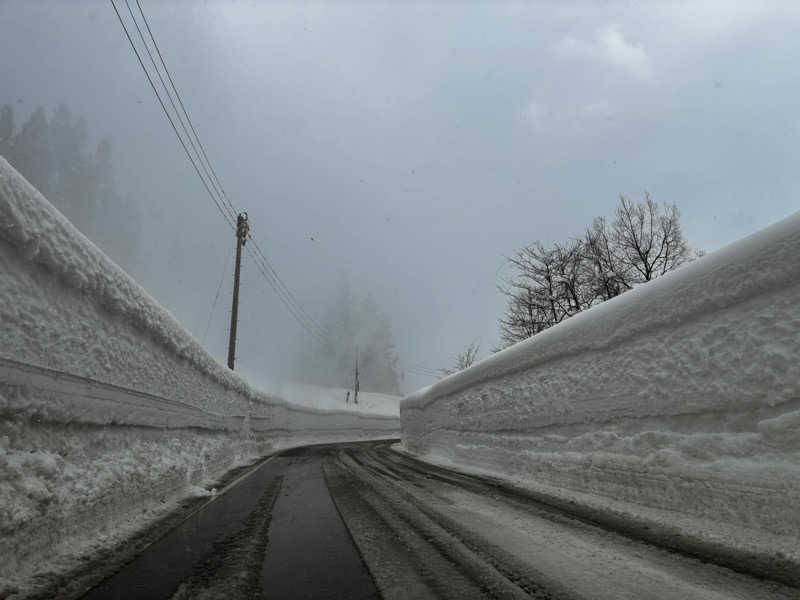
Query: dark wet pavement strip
pixel 156 573
pixel 310 552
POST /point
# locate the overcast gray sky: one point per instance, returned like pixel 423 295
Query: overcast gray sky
pixel 418 143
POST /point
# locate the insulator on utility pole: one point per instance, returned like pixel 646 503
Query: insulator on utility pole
pixel 242 230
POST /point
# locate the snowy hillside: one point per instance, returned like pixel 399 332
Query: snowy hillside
pixel 324 398
pixel 677 403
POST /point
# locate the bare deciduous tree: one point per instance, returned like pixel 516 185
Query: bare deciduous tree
pixel 524 316
pixel 602 266
pixel 552 283
pixel 463 360
pixel 648 240
pixel 548 285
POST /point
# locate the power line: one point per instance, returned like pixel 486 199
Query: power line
pixel 278 285
pixel 211 182
pixel 218 185
pixel 231 213
pixel 426 375
pixel 169 117
pixel 286 289
pixel 216 296
pixel 221 200
pixel 421 372
pixel 293 310
pixel 422 367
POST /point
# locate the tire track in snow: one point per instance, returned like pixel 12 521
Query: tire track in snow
pixel 537 548
pixel 447 564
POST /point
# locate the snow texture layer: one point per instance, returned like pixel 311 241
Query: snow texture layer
pixel 109 409
pixel 678 402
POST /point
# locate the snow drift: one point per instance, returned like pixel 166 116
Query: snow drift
pixel 109 409
pixel 677 403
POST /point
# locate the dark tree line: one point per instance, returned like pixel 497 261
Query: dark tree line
pixel 551 283
pixel 53 154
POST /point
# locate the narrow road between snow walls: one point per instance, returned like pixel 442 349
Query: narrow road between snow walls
pixel 361 520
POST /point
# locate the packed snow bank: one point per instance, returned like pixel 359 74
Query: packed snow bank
pixel 325 398
pixel 109 409
pixel 677 402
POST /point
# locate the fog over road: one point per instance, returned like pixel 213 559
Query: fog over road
pixel 364 521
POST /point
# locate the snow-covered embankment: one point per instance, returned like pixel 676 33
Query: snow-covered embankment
pixel 676 404
pixel 109 409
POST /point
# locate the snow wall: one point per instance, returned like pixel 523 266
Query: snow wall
pixel 109 409
pixel 676 404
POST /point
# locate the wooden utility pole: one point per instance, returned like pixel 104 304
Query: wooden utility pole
pixel 355 382
pixel 242 229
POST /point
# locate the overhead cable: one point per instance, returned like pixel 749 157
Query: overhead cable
pixel 218 195
pixel 215 179
pixel 225 216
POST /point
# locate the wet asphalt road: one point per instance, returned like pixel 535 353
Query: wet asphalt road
pixel 309 553
pixel 360 521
